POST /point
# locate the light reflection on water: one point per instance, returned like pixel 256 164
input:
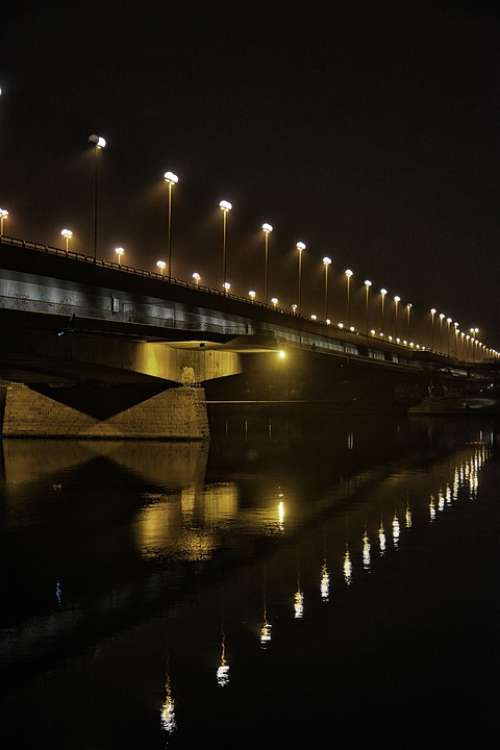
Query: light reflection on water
pixel 182 509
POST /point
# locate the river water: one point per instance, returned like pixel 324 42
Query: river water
pixel 306 577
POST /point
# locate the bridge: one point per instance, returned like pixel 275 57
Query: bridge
pixel 97 349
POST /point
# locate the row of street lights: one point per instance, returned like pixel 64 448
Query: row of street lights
pixel 99 144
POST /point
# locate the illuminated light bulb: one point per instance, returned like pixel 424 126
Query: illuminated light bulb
pixel 225 205
pixel 281 354
pixel 352 329
pixel 298 605
pixel 347 567
pixel 340 325
pixel 274 302
pixel 390 338
pixel 67 233
pixel 294 308
pixel 119 252
pixel 348 273
pixel 161 265
pixel 328 322
pixel 226 286
pixel 300 246
pixel 366 552
pixel 373 331
pixel 325 583
pixel 252 294
pixel 98 141
pixel 327 261
pixel 197 278
pixel 382 543
pixel 171 178
pixel 367 283
pixel 267 228
pixel 382 334
pixel 314 317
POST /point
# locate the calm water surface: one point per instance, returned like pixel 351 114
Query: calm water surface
pixel 307 577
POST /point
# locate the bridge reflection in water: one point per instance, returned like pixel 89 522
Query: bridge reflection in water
pixel 204 578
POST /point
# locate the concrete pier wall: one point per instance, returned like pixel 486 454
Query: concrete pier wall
pixel 173 414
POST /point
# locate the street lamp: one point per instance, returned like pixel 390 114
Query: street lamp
pixel 408 313
pixel 274 302
pixel 294 309
pixel 383 292
pixel 455 324
pixel 348 274
pixel 99 144
pixel 119 252
pixel 197 278
pixel 267 229
pixel 252 295
pixel 326 263
pixel 171 179
pixel 300 247
pixel 449 321
pixel 225 207
pixel 367 284
pixel 397 300
pixel 67 234
pixel 161 265
pixel 226 286
pixel 4 215
pixel 442 316
pixel 433 313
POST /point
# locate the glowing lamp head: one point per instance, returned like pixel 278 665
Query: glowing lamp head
pixel 433 311
pixel 294 308
pixel 340 325
pixel 67 234
pixel 227 286
pixel 171 178
pixel 352 329
pixel 397 299
pixel 300 246
pixel 225 206
pixel 267 228
pixel 4 214
pixel 409 305
pixel 348 273
pixel 476 330
pixel 449 320
pixel 98 141
pixel 442 316
pixel 252 294
pixel 161 265
pixel 367 283
pixel 383 292
pixel 119 251
pixel 274 301
pixel 281 354
pixel 372 332
pixel 314 317
pixel 196 277
pixel 327 261
pixel 328 322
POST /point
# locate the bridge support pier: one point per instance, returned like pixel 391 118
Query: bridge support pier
pixel 173 414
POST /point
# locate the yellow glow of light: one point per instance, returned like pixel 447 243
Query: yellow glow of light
pixel 366 552
pixel 281 354
pixel 325 583
pixel 171 177
pixel 281 513
pixel 298 605
pixel 381 539
pixel 347 568
pixel 265 634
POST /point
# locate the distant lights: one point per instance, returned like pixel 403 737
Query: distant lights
pixel 66 233
pixel 4 214
pixel 397 299
pixel 367 283
pixel 348 273
pixel 383 292
pixel 119 251
pixel 352 329
pixel 441 316
pixel 197 278
pixel 281 354
pixel 300 246
pixel 294 308
pixel 274 302
pixel 327 261
pixel 171 178
pixel 433 311
pixel 373 331
pixel 252 294
pixel 328 322
pixel 314 317
pixel 161 265
pixel 226 286
pixel 340 325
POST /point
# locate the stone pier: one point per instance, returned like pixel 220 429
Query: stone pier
pixel 177 413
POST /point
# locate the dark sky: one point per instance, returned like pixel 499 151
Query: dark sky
pixel 371 136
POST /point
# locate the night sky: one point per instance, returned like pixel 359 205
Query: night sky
pixel 371 136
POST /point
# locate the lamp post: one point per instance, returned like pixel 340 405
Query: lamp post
pixel 397 300
pixel 274 302
pixel 4 215
pixel 408 317
pixel 300 247
pixel 161 265
pixel 197 278
pixel 368 284
pixel 171 179
pixel 225 207
pixel 99 144
pixel 252 294
pixel 326 263
pixel 119 252
pixel 67 234
pixel 348 275
pixel 433 313
pixel 227 287
pixel 267 229
pixel 383 292
pixel 474 332
pixel 442 316
pixel 449 322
